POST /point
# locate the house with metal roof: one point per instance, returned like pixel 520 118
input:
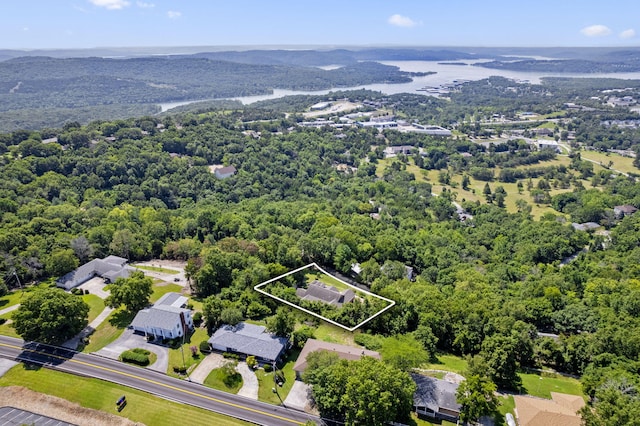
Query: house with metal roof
pixel 110 268
pixel 436 398
pixel 249 340
pixel 166 319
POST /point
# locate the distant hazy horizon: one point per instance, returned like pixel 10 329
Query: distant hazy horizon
pixel 82 24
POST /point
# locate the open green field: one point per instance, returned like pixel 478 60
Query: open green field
pixel 266 384
pixel 100 395
pixel 542 384
pixel 475 191
pixel 618 162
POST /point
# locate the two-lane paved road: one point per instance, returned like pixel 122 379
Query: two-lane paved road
pixel 149 381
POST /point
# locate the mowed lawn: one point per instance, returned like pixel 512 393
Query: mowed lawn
pixel 101 395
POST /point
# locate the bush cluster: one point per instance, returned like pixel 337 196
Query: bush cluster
pixel 136 356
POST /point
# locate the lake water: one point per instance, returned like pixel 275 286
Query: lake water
pixel 445 74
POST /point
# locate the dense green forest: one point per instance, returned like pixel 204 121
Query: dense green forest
pixel 485 288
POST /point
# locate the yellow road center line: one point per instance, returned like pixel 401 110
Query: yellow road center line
pixel 175 388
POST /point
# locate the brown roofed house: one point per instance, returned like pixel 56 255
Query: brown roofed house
pixel 624 210
pixel 561 410
pixel 319 291
pixel 344 352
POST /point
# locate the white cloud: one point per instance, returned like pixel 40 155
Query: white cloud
pixel 144 5
pixel 596 31
pixel 401 21
pixel 172 14
pixel 627 34
pixel 25 29
pixel 111 4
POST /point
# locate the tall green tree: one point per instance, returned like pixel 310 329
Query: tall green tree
pixel 50 316
pixel 364 392
pixel 282 323
pixel 477 397
pixel 132 292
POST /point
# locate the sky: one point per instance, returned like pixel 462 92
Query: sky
pixel 57 24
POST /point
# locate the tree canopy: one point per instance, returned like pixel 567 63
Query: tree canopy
pixel 50 316
pixel 132 292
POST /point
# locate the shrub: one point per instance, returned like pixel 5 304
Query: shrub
pixel 230 355
pixel 204 347
pixel 197 319
pixel 2 320
pixel 86 291
pixel 180 369
pixel 373 343
pixel 251 361
pixel 135 357
pixel 268 368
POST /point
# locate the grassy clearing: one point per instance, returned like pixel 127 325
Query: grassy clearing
pixel 100 395
pixel 326 279
pixel 266 384
pixel 542 385
pixel 175 355
pixel 109 330
pixel 475 190
pixel 216 380
pixel 448 362
pixel 157 269
pixel 618 162
pixel 96 305
pixel 333 334
pixel 161 290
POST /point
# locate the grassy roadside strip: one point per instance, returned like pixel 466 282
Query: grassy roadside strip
pixel 101 395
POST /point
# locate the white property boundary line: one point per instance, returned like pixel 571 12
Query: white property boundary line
pixel 293 305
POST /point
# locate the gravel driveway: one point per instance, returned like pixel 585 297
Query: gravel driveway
pixel 130 340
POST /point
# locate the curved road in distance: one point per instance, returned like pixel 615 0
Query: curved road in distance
pixel 153 382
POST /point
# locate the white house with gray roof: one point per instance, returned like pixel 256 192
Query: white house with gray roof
pixel 249 340
pixel 110 268
pixel 166 319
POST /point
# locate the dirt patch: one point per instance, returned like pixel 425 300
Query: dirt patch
pixel 58 408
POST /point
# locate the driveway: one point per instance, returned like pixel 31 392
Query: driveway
pixel 130 340
pixel 249 387
pixel 299 397
pixel 210 362
pixel 95 286
pixel 174 265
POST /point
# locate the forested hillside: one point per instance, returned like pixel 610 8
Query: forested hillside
pixel 38 92
pixel 484 287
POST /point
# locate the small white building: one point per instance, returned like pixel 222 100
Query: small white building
pixel 225 172
pixel 166 319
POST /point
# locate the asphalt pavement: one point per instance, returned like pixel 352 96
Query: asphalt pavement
pixel 158 384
